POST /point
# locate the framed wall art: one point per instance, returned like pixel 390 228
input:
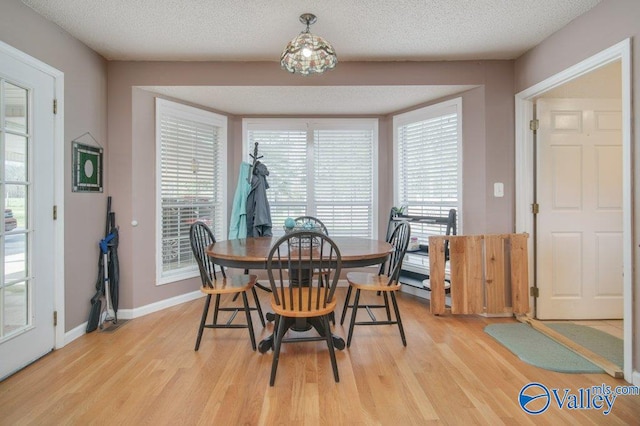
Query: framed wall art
pixel 87 168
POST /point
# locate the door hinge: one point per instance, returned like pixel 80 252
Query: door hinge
pixel 55 106
pixel 535 208
pixel 534 292
pixel 55 318
pixel 534 125
pixel 55 212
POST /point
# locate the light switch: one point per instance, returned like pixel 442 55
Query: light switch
pixel 498 189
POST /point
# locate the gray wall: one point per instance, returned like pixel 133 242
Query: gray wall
pixel 487 154
pixel 603 26
pixel 85 110
pixel 488 133
pixel 129 149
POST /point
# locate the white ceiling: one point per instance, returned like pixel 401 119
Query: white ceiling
pixel 258 30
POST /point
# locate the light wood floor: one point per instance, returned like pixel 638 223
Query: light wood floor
pixel 146 372
pixel 613 327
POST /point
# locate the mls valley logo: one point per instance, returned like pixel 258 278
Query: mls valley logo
pixel 535 398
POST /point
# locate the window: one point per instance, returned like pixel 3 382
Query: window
pixel 191 185
pixel 427 145
pixel 321 168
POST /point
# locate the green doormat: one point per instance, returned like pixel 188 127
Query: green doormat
pixel 535 348
pixel 607 346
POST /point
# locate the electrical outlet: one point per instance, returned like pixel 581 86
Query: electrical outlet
pixel 498 189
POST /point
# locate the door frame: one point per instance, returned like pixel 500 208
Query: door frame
pixel 525 168
pixel 58 196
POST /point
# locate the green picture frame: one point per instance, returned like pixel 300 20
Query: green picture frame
pixel 87 168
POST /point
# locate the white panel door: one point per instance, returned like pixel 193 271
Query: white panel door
pixel 579 225
pixel 27 195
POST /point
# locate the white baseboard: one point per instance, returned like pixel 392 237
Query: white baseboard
pixel 635 378
pixel 127 314
pixel 74 333
pixel 158 306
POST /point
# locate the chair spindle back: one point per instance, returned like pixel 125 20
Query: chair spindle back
pixel 304 268
pixel 201 237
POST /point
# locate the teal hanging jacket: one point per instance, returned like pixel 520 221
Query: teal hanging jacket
pixel 238 222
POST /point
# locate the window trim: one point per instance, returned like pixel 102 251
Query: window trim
pixel 192 113
pixel 421 114
pixel 311 124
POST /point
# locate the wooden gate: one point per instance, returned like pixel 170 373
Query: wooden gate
pixel 483 268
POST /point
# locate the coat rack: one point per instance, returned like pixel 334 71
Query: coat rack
pixel 255 158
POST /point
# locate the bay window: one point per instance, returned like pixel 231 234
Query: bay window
pixel 322 168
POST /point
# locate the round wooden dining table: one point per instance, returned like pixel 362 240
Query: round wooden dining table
pixel 252 253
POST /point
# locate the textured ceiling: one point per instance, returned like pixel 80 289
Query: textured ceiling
pixel 250 30
pixel 258 30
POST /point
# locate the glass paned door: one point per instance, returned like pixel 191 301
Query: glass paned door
pixel 15 284
pixel 27 194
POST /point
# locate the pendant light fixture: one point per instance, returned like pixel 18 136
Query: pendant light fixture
pixel 308 53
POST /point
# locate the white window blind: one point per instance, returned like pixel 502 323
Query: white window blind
pixel 285 155
pixel 428 164
pixel 191 183
pixel 322 168
pixel 343 181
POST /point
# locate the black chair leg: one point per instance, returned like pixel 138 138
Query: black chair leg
pixel 398 319
pixel 354 312
pixel 332 352
pixel 258 307
pixel 247 312
pixel 280 327
pixel 324 282
pixel 215 309
pixel 346 305
pixel 205 312
pixel 386 305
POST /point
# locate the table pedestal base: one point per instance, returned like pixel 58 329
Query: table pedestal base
pixel 302 324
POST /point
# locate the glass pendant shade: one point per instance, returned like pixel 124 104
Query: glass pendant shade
pixel 308 53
